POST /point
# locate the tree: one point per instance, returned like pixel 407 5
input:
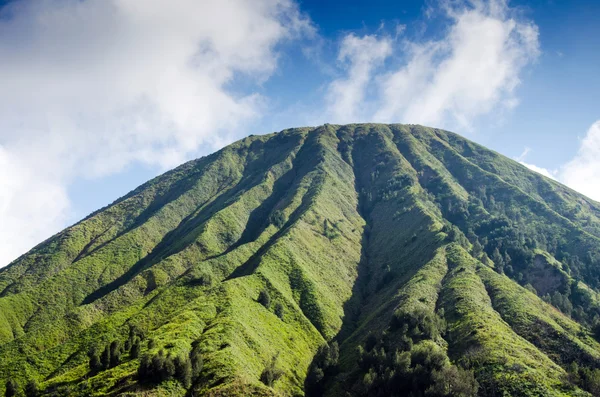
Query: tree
pixel 12 388
pixel 196 361
pixel 324 364
pixel 477 249
pixel 279 310
pixel 136 347
pixel 271 373
pixel 31 389
pixel 596 328
pixel 453 381
pixel 115 353
pixel 264 298
pixel 498 260
pixel 507 259
pixel 94 362
pixel 183 371
pixel 105 358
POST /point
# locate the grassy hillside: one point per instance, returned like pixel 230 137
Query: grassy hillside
pixel 361 260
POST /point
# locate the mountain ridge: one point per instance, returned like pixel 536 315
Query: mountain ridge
pixel 327 260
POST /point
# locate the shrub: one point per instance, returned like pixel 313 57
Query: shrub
pixel 12 388
pixel 271 373
pixel 264 298
pixel 279 310
pixel 31 389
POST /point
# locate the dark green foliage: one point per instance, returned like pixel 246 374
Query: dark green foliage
pixel 498 260
pixel 115 353
pixel 94 362
pixel 105 359
pixel 418 323
pixel 32 389
pixel 196 361
pixel 453 381
pixel 325 364
pixel 264 298
pixel 423 370
pixel 586 378
pixel 183 371
pixel 157 368
pixel 135 350
pixel 271 373
pixel 279 310
pixel 12 388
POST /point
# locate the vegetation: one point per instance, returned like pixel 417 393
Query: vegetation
pixel 362 260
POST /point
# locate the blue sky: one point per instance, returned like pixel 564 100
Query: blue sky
pixel 101 95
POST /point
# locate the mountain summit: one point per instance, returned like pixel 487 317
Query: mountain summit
pixel 357 260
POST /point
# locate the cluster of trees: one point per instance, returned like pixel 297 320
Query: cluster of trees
pixel 264 298
pixel 423 370
pixel 324 365
pixel 418 324
pixel 512 252
pixel 13 389
pixel 405 360
pixel 112 353
pixel 161 367
pixel 586 378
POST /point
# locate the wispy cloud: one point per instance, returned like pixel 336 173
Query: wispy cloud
pixel 89 87
pixel 361 55
pixel 473 68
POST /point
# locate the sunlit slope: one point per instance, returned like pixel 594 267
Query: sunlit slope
pixel 426 258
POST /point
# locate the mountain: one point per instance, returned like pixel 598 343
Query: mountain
pixel 357 260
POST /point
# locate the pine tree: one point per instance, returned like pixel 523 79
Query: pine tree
pixel 94 362
pixel 196 361
pixel 31 389
pixel 136 347
pixel 115 353
pixel 183 371
pixel 498 260
pixel 12 388
pixel 477 249
pixel 105 358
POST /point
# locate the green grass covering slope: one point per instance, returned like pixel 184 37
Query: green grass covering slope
pixel 362 260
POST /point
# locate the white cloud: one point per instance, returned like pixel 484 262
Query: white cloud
pixel 472 69
pixel 582 173
pixel 448 82
pixel 89 87
pixel 540 170
pixel 345 96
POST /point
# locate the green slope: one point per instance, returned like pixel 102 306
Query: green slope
pixel 365 259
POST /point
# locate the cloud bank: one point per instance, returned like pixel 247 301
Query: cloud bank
pixel 89 87
pixel 473 68
pixel 582 173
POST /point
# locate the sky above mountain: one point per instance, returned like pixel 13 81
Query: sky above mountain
pixel 100 95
